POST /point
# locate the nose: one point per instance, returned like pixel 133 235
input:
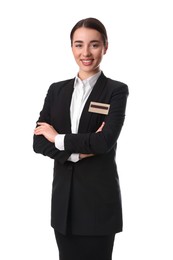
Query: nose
pixel 86 51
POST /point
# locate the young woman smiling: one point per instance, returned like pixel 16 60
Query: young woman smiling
pixel 78 128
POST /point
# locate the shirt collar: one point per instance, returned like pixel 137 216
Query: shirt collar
pixel 89 81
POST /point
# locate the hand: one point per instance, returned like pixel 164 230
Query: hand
pixel 100 128
pixel 47 130
pixel 82 155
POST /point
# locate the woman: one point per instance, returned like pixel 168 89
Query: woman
pixel 78 127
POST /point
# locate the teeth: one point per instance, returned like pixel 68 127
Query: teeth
pixel 87 61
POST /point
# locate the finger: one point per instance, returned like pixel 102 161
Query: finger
pixel 100 128
pixel 38 132
pixel 103 124
pixel 42 123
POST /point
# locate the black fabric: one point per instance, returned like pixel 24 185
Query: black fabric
pixel 74 247
pixel 90 186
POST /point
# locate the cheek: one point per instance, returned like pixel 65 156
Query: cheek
pixel 76 54
pixel 99 55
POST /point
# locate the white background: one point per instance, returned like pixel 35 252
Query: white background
pixel 34 52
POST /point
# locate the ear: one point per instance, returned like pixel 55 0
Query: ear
pixel 106 48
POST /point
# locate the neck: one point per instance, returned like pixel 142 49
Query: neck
pixel 84 75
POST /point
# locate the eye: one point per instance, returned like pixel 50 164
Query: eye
pixel 78 45
pixel 94 45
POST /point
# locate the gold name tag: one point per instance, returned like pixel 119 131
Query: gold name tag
pixel 100 108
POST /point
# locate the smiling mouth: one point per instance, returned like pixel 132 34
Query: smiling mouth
pixel 87 62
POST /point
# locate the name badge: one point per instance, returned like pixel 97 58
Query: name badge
pixel 100 108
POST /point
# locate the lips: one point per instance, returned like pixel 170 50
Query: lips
pixel 87 62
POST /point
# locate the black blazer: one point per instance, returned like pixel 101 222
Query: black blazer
pixel 88 189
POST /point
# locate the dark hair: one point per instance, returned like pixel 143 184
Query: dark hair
pixel 91 23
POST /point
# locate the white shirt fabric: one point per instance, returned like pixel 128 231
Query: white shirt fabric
pixel 82 90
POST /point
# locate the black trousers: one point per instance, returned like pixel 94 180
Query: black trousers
pixel 74 247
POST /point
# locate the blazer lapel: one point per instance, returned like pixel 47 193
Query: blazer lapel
pixel 63 105
pixel 94 96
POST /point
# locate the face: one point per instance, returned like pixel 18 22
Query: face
pixel 88 50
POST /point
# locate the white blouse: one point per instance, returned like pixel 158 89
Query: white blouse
pixel 82 90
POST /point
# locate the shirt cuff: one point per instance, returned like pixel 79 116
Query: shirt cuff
pixel 59 142
pixel 74 157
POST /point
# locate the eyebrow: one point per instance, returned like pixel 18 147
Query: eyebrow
pixel 79 41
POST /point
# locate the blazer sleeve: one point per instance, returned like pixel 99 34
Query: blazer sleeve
pixel 102 142
pixel 40 144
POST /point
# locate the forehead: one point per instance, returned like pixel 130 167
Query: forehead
pixel 86 34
